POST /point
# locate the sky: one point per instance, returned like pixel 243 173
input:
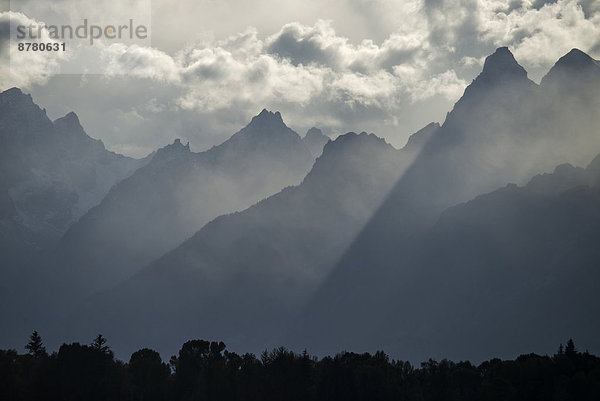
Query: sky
pixel 387 67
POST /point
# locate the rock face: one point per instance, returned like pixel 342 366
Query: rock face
pixel 51 173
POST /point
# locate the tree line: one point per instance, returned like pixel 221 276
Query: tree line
pixel 205 370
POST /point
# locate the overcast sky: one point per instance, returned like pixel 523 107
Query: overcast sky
pixel 387 67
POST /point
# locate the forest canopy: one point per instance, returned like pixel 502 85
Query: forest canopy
pixel 204 370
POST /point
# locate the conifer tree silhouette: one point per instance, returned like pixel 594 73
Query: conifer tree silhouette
pixel 35 346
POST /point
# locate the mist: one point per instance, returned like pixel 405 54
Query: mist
pixel 505 129
pixel 468 242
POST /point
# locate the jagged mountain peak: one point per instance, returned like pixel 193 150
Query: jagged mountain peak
pixel 19 115
pixel 501 66
pixel 352 139
pixel 268 114
pixel 176 149
pixel 14 89
pixel 314 132
pixel 71 117
pixel 417 140
pixel 575 66
pixel 15 97
pixel 266 119
pixel 13 94
pixel 501 82
pixel 177 145
pixel 315 140
pixel 69 121
pixel 70 129
pixel 265 127
pixel 576 59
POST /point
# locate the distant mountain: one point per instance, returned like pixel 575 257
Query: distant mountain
pixel 243 275
pixel 509 270
pixel 419 139
pixel 374 248
pixel 51 173
pixel 504 129
pixel 570 102
pixel 173 196
pixel 315 140
pixel 575 71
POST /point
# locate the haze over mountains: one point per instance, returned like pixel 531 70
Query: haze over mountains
pixel 172 197
pixel 51 173
pixel 315 140
pixel 413 250
pixel 511 270
pixel 503 130
pixel 244 273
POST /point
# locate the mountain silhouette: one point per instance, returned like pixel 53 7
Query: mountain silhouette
pixel 51 173
pixel 173 196
pixel 504 129
pixel 477 239
pixel 315 140
pixel 512 269
pixel 247 273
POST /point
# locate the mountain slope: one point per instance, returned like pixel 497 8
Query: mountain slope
pixel 569 112
pixel 178 192
pixel 511 270
pixel 503 129
pixel 51 173
pixel 243 275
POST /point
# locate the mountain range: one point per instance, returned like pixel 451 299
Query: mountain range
pixel 172 193
pixel 51 174
pixel 504 129
pixel 173 196
pixel 261 264
pixel 424 251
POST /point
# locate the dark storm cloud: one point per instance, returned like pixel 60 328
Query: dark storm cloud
pixel 303 46
pixel 537 4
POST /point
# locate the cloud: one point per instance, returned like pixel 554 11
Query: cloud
pixel 299 64
pixel 140 62
pixel 294 68
pixel 24 68
pixel 409 67
pixel 310 45
pixel 320 45
pixel 539 35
